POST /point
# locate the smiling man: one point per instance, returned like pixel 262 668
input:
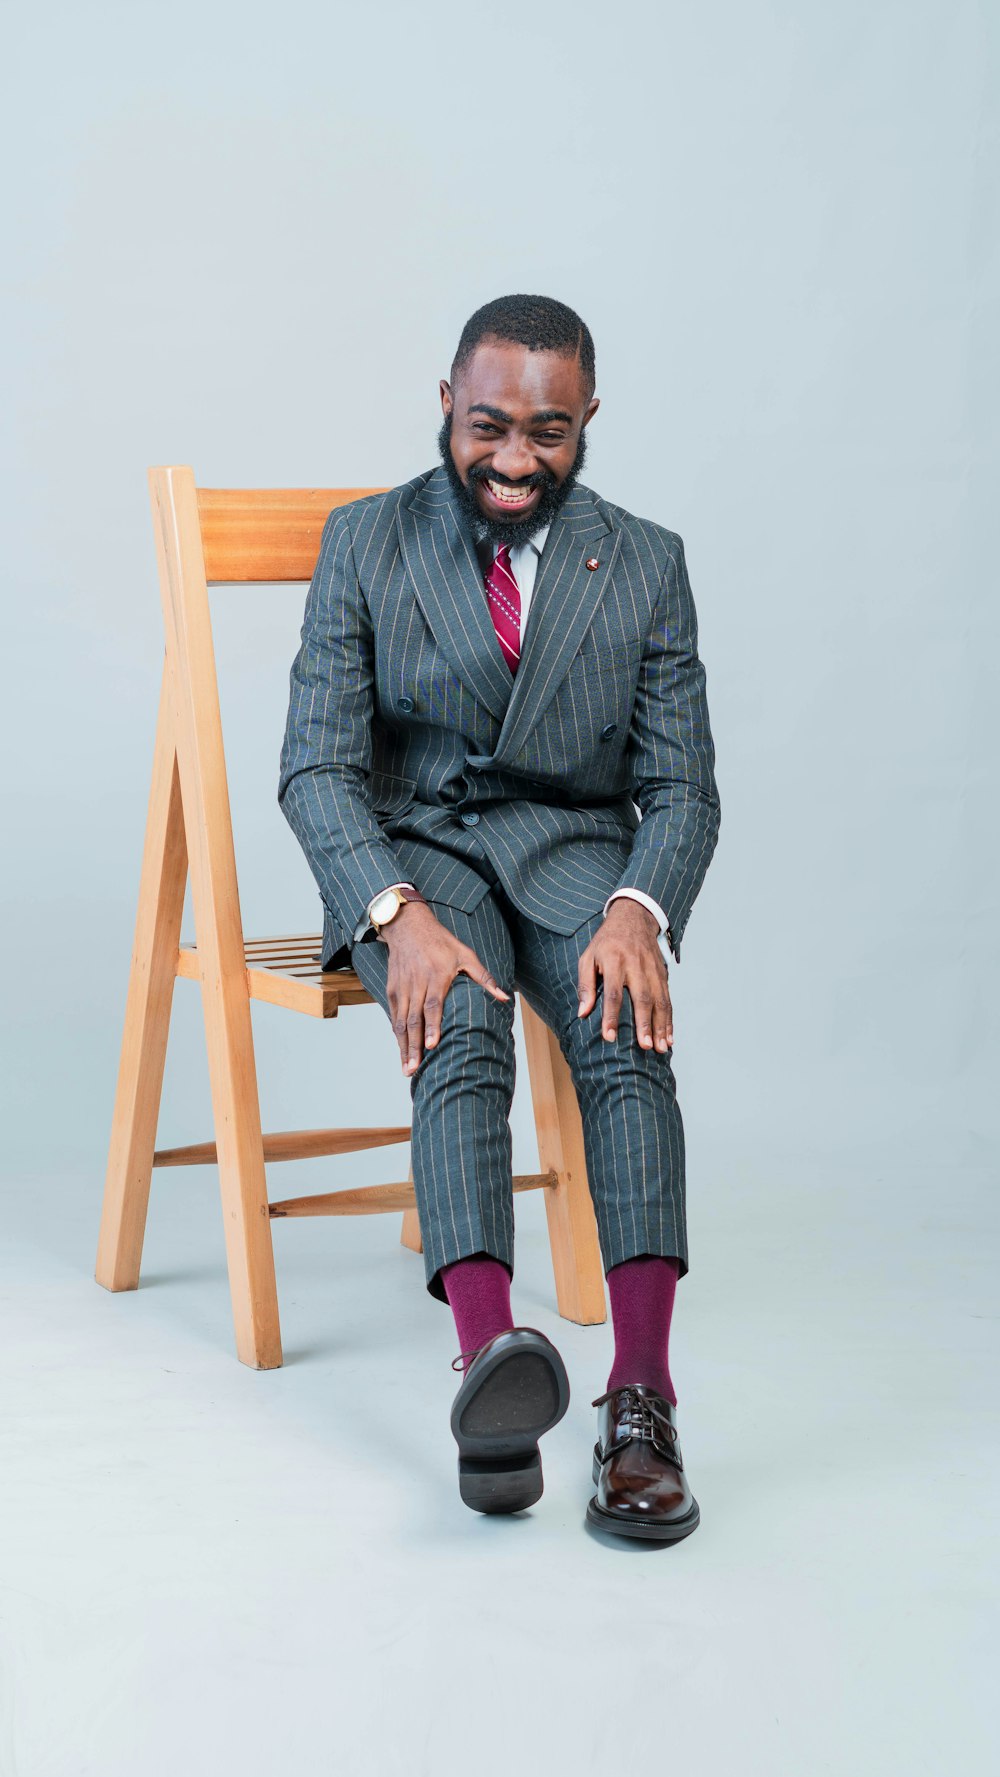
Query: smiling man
pixel 499 764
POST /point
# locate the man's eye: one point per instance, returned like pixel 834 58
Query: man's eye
pixel 484 426
pixel 550 437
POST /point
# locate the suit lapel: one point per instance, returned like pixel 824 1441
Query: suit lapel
pixel 441 561
pixel 565 598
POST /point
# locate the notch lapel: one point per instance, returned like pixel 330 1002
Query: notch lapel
pixel 442 564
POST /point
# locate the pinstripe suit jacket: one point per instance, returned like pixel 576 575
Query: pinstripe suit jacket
pixel 409 746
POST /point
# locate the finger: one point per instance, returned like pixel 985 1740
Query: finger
pixel 414 1034
pixel 663 1021
pixel 642 1011
pixel 586 983
pixel 432 1013
pixel 473 966
pixel 398 1007
pixel 612 1004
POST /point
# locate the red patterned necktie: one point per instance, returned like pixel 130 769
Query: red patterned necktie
pixel 504 601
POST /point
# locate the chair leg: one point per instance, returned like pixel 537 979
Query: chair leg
pixel 409 1234
pixel 576 1253
pixel 242 1177
pixel 147 1023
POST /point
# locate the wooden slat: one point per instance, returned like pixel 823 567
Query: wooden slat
pixel 310 942
pixel 292 1144
pixel 286 975
pixel 299 942
pixel 267 534
pixel 370 1200
pixel 322 997
pixel 283 948
pixel 306 970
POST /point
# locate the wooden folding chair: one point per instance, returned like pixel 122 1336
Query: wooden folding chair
pixel 228 535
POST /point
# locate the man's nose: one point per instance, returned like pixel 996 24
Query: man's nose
pixel 515 459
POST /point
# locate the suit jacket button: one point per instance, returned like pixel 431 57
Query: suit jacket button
pixel 406 704
pixel 608 730
pixel 471 819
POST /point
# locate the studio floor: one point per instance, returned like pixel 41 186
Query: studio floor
pixel 206 1569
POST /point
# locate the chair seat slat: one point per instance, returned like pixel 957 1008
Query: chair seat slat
pixel 285 972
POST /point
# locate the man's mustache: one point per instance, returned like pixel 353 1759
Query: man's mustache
pixel 541 478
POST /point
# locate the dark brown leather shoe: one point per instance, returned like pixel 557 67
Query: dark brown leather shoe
pixel 642 1489
pixel 514 1389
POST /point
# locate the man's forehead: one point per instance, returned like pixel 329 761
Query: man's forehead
pixel 519 383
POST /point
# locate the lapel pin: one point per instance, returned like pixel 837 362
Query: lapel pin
pixel 593 563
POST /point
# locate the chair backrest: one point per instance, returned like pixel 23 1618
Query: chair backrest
pixel 226 536
pixel 269 534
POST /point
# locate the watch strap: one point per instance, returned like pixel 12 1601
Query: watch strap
pixel 405 891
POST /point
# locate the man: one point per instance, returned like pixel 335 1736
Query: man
pixel 494 663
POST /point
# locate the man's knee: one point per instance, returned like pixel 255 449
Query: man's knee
pixel 468 1014
pixel 588 1051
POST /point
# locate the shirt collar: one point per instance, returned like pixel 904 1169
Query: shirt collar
pixel 537 542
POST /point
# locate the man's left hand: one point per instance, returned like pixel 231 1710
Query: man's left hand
pixel 625 954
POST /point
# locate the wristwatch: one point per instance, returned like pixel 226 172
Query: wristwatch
pixel 385 906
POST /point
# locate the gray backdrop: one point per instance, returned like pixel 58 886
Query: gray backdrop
pixel 246 238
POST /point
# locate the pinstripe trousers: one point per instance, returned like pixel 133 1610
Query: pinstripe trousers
pixel 462 1091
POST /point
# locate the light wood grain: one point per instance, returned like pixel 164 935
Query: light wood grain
pixel 382 1199
pixel 267 534
pixel 292 1144
pixel 409 1233
pixel 229 1037
pixel 147 1018
pixel 576 1253
pixel 284 972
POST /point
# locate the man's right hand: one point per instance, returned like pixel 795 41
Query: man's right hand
pixel 424 958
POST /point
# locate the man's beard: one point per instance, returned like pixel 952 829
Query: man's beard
pixel 510 531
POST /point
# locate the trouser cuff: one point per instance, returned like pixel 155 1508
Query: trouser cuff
pixel 434 1263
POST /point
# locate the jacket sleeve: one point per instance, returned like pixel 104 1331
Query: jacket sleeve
pixel 326 756
pixel 672 759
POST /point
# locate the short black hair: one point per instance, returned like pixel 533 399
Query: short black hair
pixel 538 322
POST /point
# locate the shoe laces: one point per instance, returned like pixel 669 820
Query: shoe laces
pixel 464 1358
pixel 644 1416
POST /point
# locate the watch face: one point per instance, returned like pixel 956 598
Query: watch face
pixel 384 906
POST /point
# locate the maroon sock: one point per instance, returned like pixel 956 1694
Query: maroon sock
pixel 478 1292
pixel 642 1301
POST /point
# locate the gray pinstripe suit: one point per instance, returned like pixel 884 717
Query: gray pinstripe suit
pixel 410 753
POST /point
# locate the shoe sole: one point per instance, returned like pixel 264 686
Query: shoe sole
pixel 664 1530
pixel 517 1396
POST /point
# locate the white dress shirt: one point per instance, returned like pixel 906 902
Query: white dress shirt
pixel 524 559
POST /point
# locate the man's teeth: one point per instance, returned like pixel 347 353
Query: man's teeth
pixel 512 496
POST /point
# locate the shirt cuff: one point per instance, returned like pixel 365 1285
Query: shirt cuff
pixel 365 925
pixel 652 907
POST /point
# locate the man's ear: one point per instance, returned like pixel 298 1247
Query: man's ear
pixel 591 409
pixel 447 398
